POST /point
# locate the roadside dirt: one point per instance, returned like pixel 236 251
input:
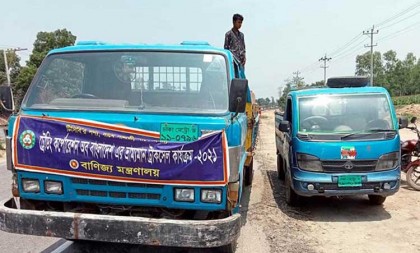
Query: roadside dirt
pixel 413 110
pixel 323 224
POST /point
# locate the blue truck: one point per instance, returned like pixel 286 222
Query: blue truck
pixel 339 140
pixel 141 144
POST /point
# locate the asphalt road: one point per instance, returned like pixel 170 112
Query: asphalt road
pixel 14 243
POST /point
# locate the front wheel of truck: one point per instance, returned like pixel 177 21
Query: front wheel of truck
pixel 230 248
pixel 280 167
pixel 376 199
pixel 292 199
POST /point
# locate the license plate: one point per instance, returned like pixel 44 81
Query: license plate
pixel 349 181
pixel 175 132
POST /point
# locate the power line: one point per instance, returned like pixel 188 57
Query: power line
pixel 353 45
pixel 399 21
pixel 310 67
pixel 410 8
pixel 398 33
pixel 351 49
pixel 355 53
pixel 357 37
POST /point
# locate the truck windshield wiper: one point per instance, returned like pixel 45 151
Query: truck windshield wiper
pixel 377 130
pixel 370 131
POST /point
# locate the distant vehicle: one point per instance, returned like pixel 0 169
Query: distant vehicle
pixel 142 144
pixel 340 140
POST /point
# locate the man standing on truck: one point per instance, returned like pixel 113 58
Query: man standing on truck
pixel 235 41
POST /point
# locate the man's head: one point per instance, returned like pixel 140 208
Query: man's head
pixel 237 21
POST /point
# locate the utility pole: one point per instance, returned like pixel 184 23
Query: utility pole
pixel 6 65
pixel 325 59
pixel 297 79
pixel 371 33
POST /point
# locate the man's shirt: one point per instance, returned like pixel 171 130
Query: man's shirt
pixel 235 42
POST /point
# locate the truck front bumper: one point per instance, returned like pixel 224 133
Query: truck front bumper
pixel 326 184
pixel 120 229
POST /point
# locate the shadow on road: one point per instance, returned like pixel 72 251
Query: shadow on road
pixel 346 209
pixel 101 247
pixel 405 185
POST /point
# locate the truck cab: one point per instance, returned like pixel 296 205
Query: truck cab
pixel 339 140
pixel 144 144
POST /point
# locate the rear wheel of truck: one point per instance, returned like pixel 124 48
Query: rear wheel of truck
pixel 292 199
pixel 376 199
pixel 249 173
pixel 230 248
pixel 280 167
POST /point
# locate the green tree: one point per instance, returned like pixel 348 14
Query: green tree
pixel 363 67
pixel 262 102
pixel 283 93
pixel 45 41
pixel 317 84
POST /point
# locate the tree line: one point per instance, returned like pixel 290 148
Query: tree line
pixel 401 77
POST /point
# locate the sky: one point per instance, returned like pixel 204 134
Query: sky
pixel 281 36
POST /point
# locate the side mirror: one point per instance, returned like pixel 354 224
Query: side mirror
pixel 237 95
pixel 7 104
pixel 403 122
pixel 413 120
pixel 284 126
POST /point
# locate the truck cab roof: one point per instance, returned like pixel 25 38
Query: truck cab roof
pixel 189 46
pixel 329 91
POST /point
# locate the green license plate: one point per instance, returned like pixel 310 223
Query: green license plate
pixel 175 132
pixel 349 181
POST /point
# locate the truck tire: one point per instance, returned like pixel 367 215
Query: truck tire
pixel 413 177
pixel 376 199
pixel 280 167
pixel 292 199
pixel 229 248
pixel 249 173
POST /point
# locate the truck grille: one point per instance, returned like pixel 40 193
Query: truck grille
pixel 348 166
pixel 117 190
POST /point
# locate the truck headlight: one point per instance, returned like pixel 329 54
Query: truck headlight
pixel 309 162
pixel 53 187
pixel 184 195
pixel 388 161
pixel 211 196
pixel 30 185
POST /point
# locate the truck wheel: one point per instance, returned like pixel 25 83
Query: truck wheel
pixel 413 177
pixel 376 199
pixel 230 248
pixel 249 173
pixel 280 167
pixel 292 199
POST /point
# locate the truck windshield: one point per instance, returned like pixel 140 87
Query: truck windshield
pixel 176 82
pixel 341 115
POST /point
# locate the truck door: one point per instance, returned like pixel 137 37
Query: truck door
pixel 288 115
